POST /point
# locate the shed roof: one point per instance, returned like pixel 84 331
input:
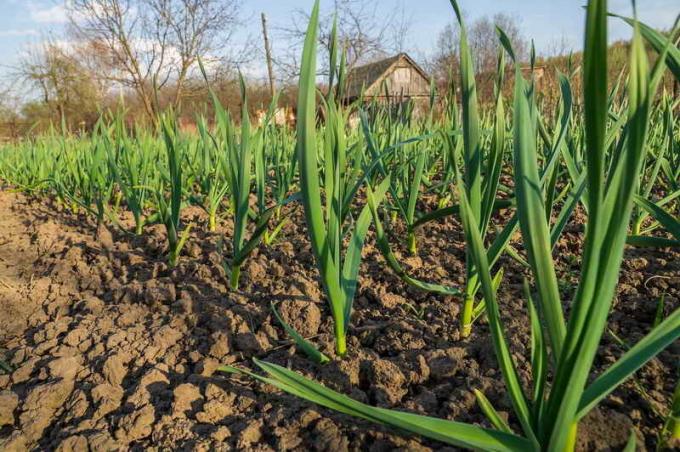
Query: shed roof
pixel 372 74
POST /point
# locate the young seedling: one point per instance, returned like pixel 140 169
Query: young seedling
pixel 326 226
pixel 169 208
pixel 562 359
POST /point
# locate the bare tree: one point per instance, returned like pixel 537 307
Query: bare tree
pixel 367 31
pixel 484 45
pixel 94 57
pixel 268 55
pixel 10 120
pixel 65 86
pixel 197 29
pixel 135 42
pixel 151 44
pixel 557 47
pixel 444 64
pixel 400 29
pixel 484 42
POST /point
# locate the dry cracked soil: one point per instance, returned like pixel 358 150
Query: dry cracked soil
pixel 109 349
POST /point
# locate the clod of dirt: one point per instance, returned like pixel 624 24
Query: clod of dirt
pixel 345 374
pixel 75 337
pixel 24 372
pixel 167 336
pixel 102 440
pixel 303 316
pixel 73 443
pixel 214 412
pixel 152 382
pixel 252 344
pixel 107 398
pixel 104 237
pixel 605 432
pixel 159 291
pixel 386 381
pixel 446 363
pixel 327 437
pixel 221 433
pixel 391 300
pixel 65 368
pixel 249 435
pixel 221 345
pixel 9 402
pixel 114 369
pixel 187 399
pixel 76 406
pixel 255 270
pixel 93 305
pixel 16 442
pixel 419 371
pixel 425 401
pixel 136 425
pixel 208 367
pixel 41 406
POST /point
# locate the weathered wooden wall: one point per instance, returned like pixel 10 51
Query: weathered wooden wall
pixel 404 79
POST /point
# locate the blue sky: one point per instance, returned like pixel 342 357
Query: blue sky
pixel 26 22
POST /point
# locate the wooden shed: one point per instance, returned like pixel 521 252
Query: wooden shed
pixel 397 79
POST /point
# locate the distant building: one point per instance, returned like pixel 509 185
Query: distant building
pixel 397 81
pixel 538 75
pixel 283 116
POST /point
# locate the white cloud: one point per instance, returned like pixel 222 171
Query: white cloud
pixel 38 46
pixel 55 14
pixel 18 33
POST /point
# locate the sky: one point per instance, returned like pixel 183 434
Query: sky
pixel 26 22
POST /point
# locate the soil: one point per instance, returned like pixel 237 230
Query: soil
pixel 112 350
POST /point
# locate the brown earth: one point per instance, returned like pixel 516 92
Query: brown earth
pixel 110 349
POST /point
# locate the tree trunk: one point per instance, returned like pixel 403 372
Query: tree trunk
pixel 268 53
